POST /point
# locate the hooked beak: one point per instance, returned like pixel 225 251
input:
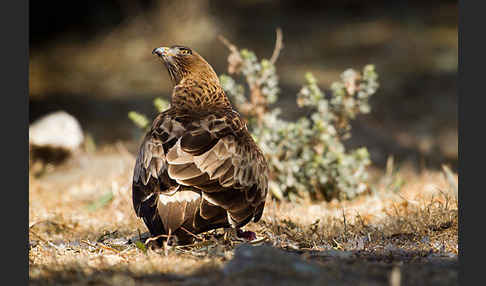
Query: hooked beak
pixel 162 52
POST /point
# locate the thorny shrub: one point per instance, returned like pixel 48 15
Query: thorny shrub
pixel 306 157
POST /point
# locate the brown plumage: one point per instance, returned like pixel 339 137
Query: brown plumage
pixel 198 167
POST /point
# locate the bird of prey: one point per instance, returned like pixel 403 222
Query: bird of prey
pixel 198 167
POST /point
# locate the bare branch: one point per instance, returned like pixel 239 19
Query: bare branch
pixel 234 59
pixel 276 50
pixel 278 46
pixel 227 43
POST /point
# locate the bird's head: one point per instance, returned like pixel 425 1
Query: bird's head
pixel 183 62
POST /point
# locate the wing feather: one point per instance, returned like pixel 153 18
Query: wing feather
pixel 228 168
pixel 183 171
pixel 209 155
pixel 150 172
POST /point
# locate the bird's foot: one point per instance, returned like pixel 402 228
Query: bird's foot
pixel 232 234
pixel 248 235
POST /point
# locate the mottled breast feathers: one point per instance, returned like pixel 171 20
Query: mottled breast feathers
pixel 193 95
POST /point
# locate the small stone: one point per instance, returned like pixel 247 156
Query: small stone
pixel 56 130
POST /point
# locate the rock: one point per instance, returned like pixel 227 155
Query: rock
pixel 56 130
pixel 54 137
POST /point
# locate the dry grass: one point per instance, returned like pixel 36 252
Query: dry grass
pixel 80 234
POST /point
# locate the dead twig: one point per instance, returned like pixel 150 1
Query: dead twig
pixel 228 44
pixel 278 46
pixel 258 240
pixel 106 247
pixel 196 245
pixel 192 234
pixel 166 243
pixel 88 243
pixel 276 50
pixel 153 238
pixel 407 200
pixel 449 176
pixel 44 240
pixel 345 227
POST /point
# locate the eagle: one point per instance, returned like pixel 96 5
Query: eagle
pixel 198 167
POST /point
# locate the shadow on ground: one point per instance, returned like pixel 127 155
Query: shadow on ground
pixel 267 265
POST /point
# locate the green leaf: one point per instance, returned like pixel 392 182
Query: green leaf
pixel 140 245
pixel 161 104
pixel 101 201
pixel 139 119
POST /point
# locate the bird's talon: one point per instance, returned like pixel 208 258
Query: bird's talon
pixel 248 235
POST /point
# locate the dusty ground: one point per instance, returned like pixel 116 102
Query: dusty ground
pixel 83 231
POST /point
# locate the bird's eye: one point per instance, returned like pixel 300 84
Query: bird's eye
pixel 185 51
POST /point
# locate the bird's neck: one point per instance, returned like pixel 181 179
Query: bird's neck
pixel 199 94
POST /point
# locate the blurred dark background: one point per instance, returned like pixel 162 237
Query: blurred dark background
pixel 93 59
